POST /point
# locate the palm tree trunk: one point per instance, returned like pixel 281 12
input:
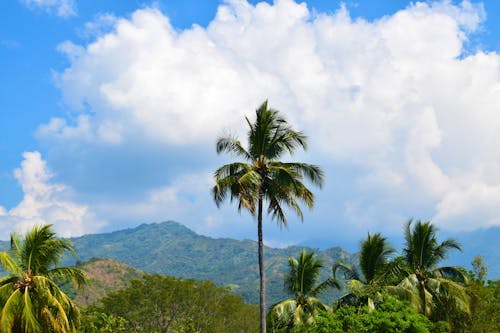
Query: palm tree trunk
pixel 261 269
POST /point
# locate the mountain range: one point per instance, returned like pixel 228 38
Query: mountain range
pixel 172 249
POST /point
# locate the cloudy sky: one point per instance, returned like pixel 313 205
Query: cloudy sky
pixel 109 111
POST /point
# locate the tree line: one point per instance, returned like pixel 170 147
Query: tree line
pixel 408 292
pixel 385 292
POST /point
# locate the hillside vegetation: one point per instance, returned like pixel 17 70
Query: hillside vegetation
pixel 169 248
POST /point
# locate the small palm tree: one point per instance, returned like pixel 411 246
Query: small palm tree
pixel 262 179
pixel 433 291
pixel 375 270
pixel 301 282
pixel 30 298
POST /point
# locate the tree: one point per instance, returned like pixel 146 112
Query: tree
pixel 159 303
pixel 391 316
pixel 484 302
pixel 434 291
pixel 375 270
pixel 262 179
pixel 301 282
pixel 30 298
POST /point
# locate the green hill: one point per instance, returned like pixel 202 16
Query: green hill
pixel 171 249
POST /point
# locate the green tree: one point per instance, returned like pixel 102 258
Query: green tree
pixel 375 271
pixel 262 179
pixel 96 321
pixel 159 303
pixel 30 298
pixel 302 282
pixel 436 292
pixel 392 316
pixel 484 302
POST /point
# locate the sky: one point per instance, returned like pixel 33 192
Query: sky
pixel 109 112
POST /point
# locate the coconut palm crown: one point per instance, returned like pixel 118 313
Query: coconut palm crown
pixel 432 290
pixel 302 282
pixel 30 298
pixel 260 178
pixel 375 269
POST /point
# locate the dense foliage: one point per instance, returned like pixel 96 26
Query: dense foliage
pixel 30 297
pixel 302 282
pixel 484 303
pixel 390 316
pixel 436 298
pixel 439 292
pixel 165 304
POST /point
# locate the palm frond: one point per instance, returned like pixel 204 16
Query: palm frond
pixel 311 172
pixel 373 257
pixel 232 145
pixel 69 274
pixel 331 282
pixel 31 301
pixel 10 311
pixel 9 264
pixel 348 271
pixel 28 319
pixel 454 273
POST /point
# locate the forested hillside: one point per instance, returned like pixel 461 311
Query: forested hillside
pixel 172 249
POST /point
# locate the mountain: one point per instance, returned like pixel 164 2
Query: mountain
pixel 170 248
pixel 105 275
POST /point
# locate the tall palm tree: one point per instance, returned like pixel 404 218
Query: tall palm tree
pixel 433 291
pixel 30 298
pixel 301 282
pixel 375 270
pixel 260 178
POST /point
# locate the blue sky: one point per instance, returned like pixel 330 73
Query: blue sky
pixel 109 111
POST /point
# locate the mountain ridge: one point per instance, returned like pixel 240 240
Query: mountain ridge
pixel 171 248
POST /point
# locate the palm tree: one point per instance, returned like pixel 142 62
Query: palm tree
pixel 262 179
pixel 434 291
pixel 30 298
pixel 301 281
pixel 375 270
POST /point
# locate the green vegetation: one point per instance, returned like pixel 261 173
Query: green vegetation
pixel 165 304
pixel 30 298
pixel 302 282
pixel 375 271
pixel 409 293
pixel 437 292
pixel 484 303
pixel 264 180
pixel 391 316
pixel 120 298
pixel 226 262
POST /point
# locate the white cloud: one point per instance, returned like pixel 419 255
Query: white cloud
pixel 63 8
pixel 45 202
pixel 476 206
pixel 396 99
pixel 103 23
pixel 175 200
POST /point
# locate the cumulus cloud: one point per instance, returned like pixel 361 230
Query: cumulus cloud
pixel 45 202
pixel 397 99
pixel 63 8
